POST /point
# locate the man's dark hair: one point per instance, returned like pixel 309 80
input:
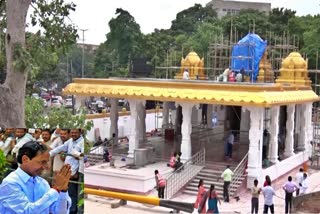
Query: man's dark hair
pixel 47 130
pixel 156 171
pixel 66 130
pixel 255 182
pixel 289 178
pixel 301 170
pixel 31 149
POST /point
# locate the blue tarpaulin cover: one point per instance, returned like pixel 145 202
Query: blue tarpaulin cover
pixel 247 54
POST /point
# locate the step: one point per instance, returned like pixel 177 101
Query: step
pixel 209 182
pixel 195 193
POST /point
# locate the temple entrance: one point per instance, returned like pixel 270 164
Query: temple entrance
pixel 233 116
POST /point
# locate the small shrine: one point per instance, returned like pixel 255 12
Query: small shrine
pixel 265 72
pixel 194 65
pixel 294 69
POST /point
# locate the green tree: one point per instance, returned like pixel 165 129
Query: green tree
pixel 279 19
pixel 49 15
pixel 34 110
pixel 187 20
pixel 124 36
pixel 247 21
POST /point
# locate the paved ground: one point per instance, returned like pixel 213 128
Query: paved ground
pixel 99 205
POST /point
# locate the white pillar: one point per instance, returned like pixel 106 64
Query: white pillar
pixel 141 110
pixel 255 147
pixel 114 115
pixel 165 114
pixel 186 130
pixel 134 121
pixel 307 129
pixel 288 148
pixel 274 131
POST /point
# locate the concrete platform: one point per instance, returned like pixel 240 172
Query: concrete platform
pixel 123 178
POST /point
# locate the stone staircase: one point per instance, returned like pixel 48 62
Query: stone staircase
pixel 94 159
pixel 211 174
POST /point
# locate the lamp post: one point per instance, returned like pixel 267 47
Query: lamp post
pixel 82 66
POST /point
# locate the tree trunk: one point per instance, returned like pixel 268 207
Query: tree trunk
pixel 12 92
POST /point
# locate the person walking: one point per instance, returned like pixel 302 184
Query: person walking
pixel 227 177
pixel 160 183
pixel 299 179
pixel 201 193
pixel 268 193
pixel 230 141
pixel 255 191
pixel 289 187
pixel 213 200
pixel 304 184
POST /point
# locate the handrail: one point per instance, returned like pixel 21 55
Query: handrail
pixel 237 174
pixel 185 173
pixel 101 145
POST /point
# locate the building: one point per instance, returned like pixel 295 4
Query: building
pixel 88 47
pixel 229 7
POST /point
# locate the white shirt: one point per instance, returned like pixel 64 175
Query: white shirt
pixel 231 138
pixel 268 193
pixel 57 162
pixel 5 146
pixel 303 189
pixel 185 75
pixel 299 177
pixel 21 141
pixel 77 152
pixel 68 147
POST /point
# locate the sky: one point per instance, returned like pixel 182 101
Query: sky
pixel 94 15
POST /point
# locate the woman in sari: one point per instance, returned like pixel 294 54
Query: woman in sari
pixel 201 193
pixel 213 200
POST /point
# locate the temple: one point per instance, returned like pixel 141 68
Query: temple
pixel 272 119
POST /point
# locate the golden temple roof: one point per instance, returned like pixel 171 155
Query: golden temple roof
pixel 192 57
pixel 239 94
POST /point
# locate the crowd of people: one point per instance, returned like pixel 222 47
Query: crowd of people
pixel 44 170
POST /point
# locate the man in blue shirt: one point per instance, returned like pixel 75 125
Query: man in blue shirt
pixel 70 147
pixel 23 191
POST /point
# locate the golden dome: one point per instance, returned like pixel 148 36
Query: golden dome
pixel 294 60
pixel 193 58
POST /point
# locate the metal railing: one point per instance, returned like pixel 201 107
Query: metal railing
pixel 237 175
pixel 185 173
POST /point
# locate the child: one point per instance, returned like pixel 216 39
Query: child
pixel 255 191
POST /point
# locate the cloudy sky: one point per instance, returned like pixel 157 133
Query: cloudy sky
pixel 94 15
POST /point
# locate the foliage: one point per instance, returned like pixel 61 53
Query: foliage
pixel 52 16
pixel 3 164
pixel 279 19
pixel 81 201
pixel 34 111
pixel 124 36
pixel 247 21
pixel 36 117
pixel 21 58
pixel 187 20
pixel 62 117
